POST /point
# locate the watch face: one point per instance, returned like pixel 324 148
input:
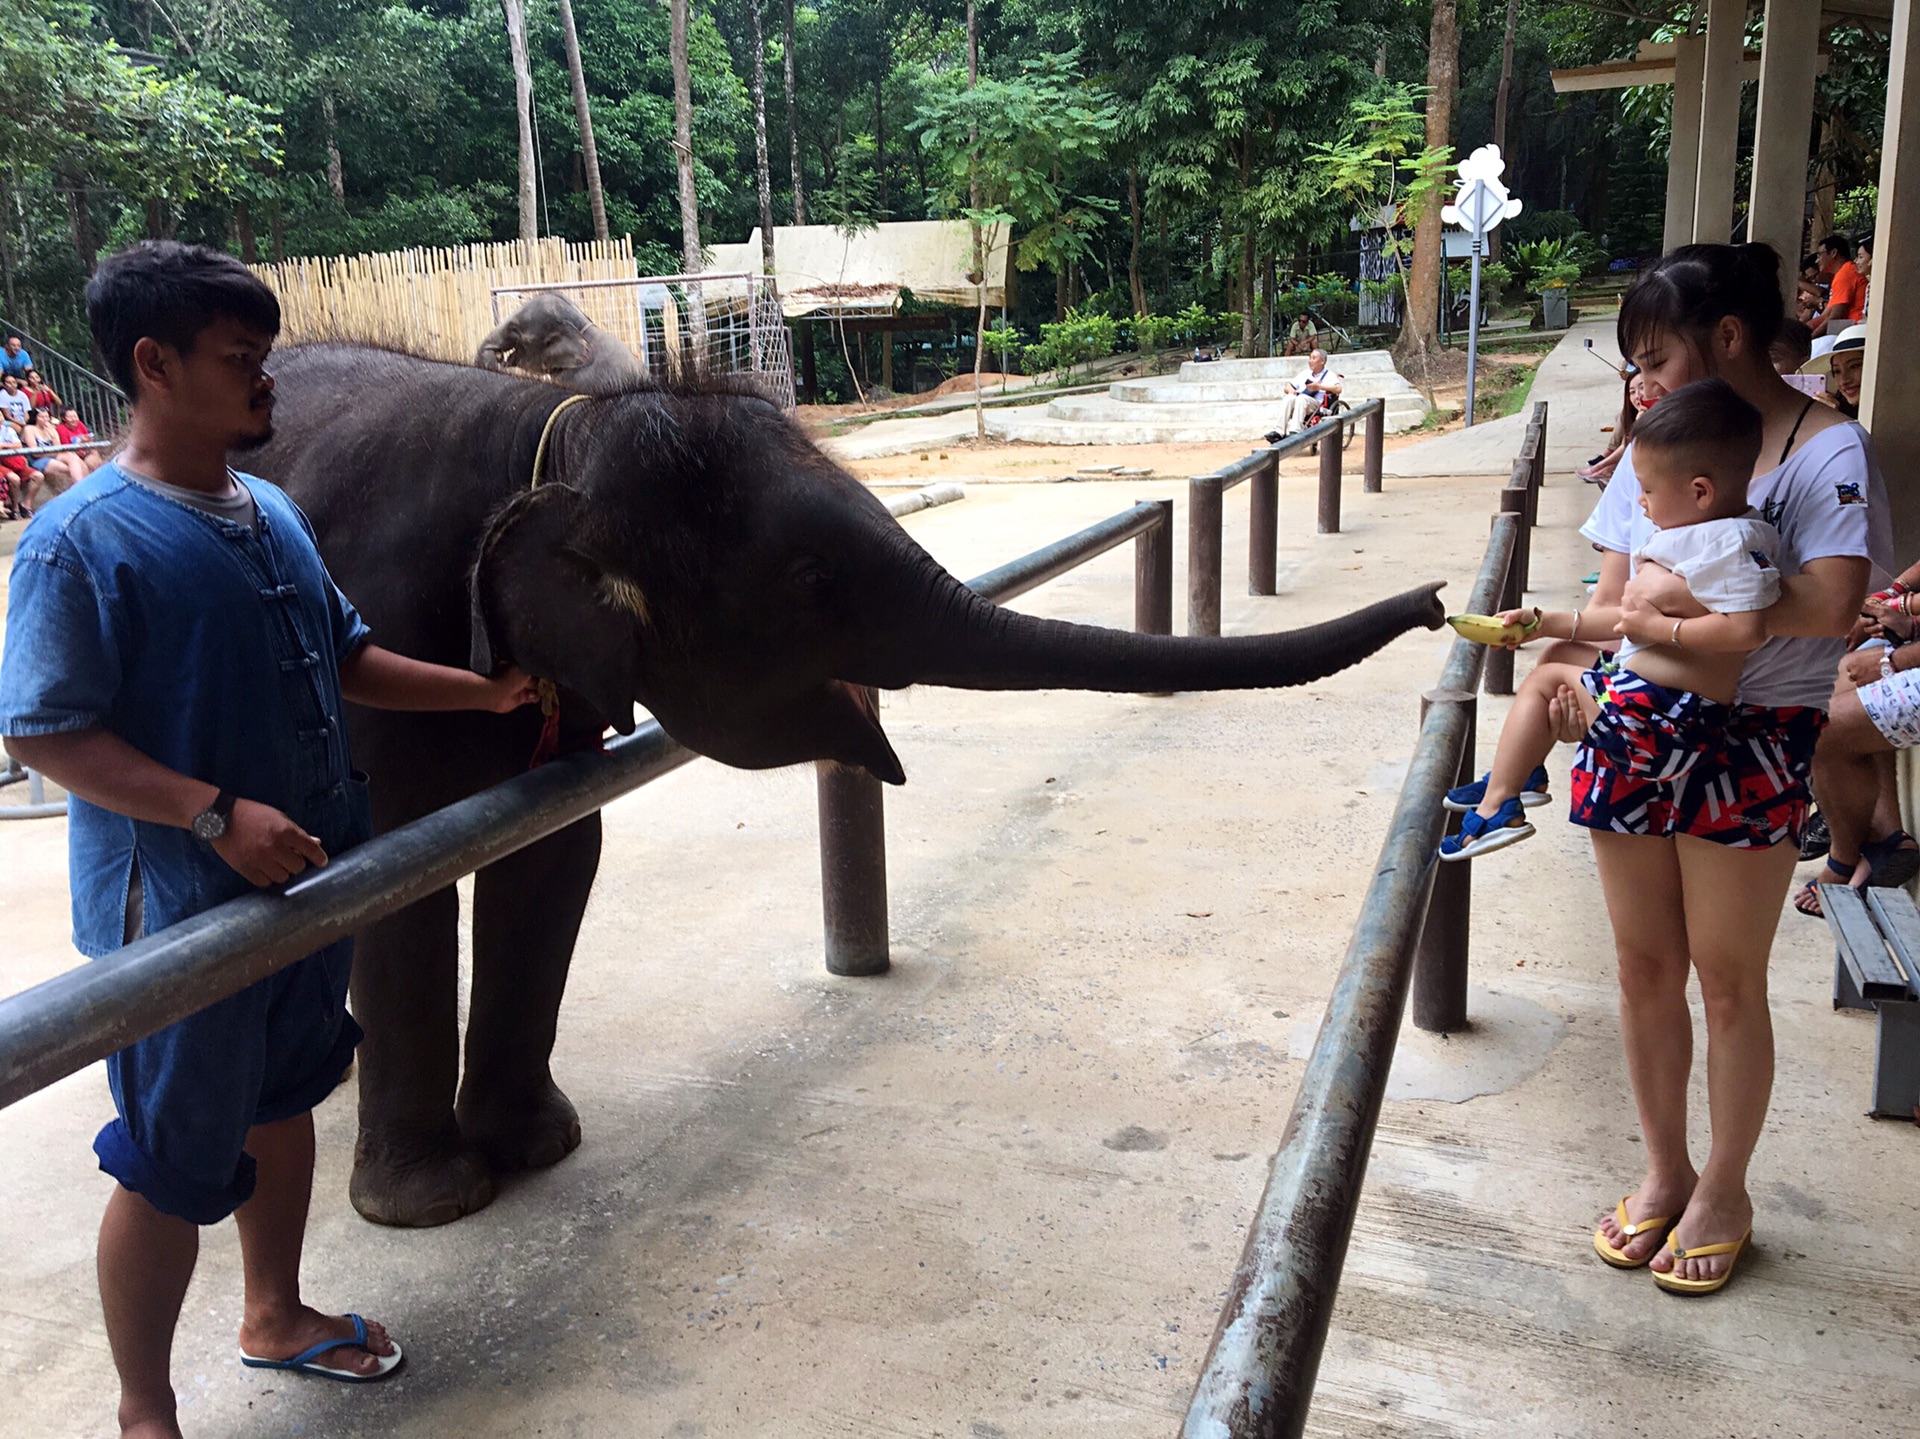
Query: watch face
pixel 209 826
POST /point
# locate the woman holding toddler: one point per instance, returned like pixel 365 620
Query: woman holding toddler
pixel 1697 743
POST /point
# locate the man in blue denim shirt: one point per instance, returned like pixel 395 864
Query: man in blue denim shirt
pixel 177 658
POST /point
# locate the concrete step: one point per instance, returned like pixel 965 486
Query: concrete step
pixel 1352 362
pixel 1166 391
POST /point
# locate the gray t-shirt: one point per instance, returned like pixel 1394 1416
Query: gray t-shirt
pixel 236 504
pixel 15 404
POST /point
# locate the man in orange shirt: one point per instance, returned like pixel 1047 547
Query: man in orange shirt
pixel 1847 292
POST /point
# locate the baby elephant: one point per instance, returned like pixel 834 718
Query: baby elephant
pixel 552 336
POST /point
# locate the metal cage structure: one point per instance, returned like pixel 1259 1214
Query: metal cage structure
pixel 682 326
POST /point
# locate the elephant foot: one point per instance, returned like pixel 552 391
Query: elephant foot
pixel 419 1187
pixel 525 1128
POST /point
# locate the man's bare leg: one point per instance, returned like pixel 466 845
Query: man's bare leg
pixel 145 1261
pixel 273 1229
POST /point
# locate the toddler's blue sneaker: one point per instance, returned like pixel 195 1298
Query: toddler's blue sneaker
pixel 1466 798
pixel 1482 836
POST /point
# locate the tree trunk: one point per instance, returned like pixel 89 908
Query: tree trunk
pixel 690 259
pixel 979 245
pixel 1825 184
pixel 880 139
pixel 576 73
pixel 160 222
pixel 1422 319
pixel 243 231
pixel 336 172
pixel 794 166
pixel 1136 286
pixel 516 16
pixel 277 228
pixel 1503 103
pixel 6 268
pixel 763 175
pixel 1246 249
pixel 80 220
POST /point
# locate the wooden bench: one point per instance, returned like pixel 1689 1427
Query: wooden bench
pixel 1876 963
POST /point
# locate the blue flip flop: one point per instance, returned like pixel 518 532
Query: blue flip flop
pixel 307 1360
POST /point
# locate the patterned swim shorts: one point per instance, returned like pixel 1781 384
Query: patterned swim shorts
pixel 1655 764
pixel 1631 771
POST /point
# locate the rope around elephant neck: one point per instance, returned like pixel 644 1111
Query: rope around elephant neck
pixel 546 434
pixel 548 745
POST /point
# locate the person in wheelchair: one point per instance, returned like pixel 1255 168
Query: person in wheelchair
pixel 1312 395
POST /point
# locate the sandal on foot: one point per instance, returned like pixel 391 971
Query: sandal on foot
pixel 1816 839
pixel 1479 836
pixel 1465 799
pixel 1703 1251
pixel 307 1361
pixel 1807 898
pixel 1891 865
pixel 1619 1258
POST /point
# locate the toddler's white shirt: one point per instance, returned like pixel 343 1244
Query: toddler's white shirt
pixel 1731 566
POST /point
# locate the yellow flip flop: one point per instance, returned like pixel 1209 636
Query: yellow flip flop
pixel 1703 1251
pixel 1619 1258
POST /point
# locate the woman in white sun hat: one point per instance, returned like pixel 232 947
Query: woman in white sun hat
pixel 1844 364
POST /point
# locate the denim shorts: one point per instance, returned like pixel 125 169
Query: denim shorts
pixel 187 1095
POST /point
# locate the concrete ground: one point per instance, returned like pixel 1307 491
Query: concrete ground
pixel 999 1191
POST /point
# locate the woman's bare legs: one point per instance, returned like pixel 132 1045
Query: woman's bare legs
pixel 1640 877
pixel 1732 909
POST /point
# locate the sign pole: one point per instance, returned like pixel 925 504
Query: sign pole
pixel 1473 324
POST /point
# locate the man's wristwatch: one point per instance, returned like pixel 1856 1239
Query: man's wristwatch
pixel 211 823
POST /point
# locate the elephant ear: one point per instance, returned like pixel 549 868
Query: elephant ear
pixel 546 596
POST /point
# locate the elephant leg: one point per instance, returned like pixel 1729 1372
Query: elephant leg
pixel 411 1165
pixel 526 917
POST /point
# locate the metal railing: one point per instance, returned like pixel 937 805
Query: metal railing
pixel 1259 1372
pixel 100 402
pixel 101 1006
pixel 1262 468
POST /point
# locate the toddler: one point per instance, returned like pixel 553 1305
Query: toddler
pixel 1654 708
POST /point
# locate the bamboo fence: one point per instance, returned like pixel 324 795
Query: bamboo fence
pixel 434 302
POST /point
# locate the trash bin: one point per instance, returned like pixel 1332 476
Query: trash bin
pixel 1553 307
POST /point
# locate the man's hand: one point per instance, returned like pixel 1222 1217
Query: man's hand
pixel 264 846
pixel 509 690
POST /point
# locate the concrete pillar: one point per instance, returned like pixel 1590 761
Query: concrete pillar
pixel 1719 122
pixel 1890 402
pixel 1683 156
pixel 1777 205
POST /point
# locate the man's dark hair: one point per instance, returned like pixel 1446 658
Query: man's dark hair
pixel 1838 245
pixel 1794 343
pixel 1708 428
pixel 165 291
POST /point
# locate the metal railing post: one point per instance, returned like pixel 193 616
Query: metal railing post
pixel 1263 529
pixel 1371 477
pixel 1330 478
pixel 1499 673
pixel 1153 575
pixel 853 869
pixel 1203 554
pixel 1440 963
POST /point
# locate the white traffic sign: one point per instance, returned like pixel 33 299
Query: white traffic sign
pixel 1481 204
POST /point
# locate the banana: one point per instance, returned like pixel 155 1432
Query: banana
pixel 1486 630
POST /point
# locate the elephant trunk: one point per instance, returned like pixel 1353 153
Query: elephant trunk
pixel 985 647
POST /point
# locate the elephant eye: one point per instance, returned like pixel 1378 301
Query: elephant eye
pixel 808 575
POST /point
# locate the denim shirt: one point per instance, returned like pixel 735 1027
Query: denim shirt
pixel 208 646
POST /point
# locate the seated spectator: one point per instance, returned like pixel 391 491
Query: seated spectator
pixel 14 470
pixel 1846 292
pixel 1303 336
pixel 72 430
pixel 52 474
pixel 14 403
pixel 1809 298
pixel 14 360
pixel 1309 396
pixel 40 394
pixel 1844 366
pixel 1863 262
